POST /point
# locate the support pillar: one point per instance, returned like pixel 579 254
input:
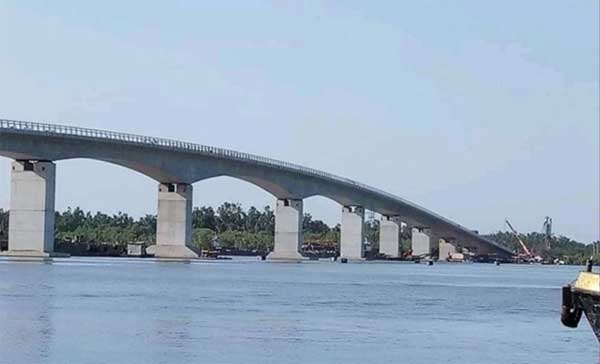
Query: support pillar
pixel 174 222
pixel 447 249
pixel 352 234
pixel 289 236
pixel 389 236
pixel 31 222
pixel 421 242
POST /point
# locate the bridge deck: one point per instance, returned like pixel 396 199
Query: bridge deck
pixel 10 128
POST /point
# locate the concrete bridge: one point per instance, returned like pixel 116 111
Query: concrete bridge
pixel 175 165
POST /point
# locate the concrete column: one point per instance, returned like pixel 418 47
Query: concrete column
pixel 446 249
pixel 352 234
pixel 31 223
pixel 421 242
pixel 289 236
pixel 174 223
pixel 389 236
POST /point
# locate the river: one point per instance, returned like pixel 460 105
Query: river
pixel 103 310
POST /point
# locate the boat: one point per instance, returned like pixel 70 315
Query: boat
pixel 456 258
pixel 582 297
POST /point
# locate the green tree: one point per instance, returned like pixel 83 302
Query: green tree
pixel 253 217
pixel 266 222
pixel 372 232
pixel 314 226
pixel 231 217
pixel 204 217
pixel 204 238
pixel 3 224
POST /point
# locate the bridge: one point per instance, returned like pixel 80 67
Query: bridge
pixel 176 165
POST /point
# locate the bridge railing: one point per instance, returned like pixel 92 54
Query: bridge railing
pixel 65 130
pixel 44 128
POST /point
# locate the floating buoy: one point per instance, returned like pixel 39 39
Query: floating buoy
pixel 430 262
pixel 344 260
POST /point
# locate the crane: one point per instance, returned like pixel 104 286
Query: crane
pixel 514 231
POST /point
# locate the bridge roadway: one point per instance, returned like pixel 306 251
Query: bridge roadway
pixel 176 165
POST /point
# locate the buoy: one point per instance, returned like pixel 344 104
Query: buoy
pixel 430 262
pixel 344 260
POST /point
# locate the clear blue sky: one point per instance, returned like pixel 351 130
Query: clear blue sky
pixel 478 110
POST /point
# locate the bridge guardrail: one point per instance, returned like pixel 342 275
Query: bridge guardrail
pixel 65 130
pixel 169 143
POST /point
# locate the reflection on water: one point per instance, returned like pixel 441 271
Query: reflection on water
pixel 139 311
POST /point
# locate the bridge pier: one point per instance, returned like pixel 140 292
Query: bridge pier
pixel 422 241
pixel 447 248
pixel 31 223
pixel 389 236
pixel 352 233
pixel 174 222
pixel 289 237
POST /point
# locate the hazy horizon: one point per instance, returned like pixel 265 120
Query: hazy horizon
pixel 472 110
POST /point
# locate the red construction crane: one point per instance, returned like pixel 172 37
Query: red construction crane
pixel 525 249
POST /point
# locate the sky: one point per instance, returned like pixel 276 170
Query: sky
pixel 476 110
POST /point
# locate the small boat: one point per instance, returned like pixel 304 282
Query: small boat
pixel 582 296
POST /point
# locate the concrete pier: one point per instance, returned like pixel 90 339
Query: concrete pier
pixel 352 234
pixel 31 223
pixel 174 223
pixel 289 215
pixel 422 242
pixel 389 236
pixel 446 249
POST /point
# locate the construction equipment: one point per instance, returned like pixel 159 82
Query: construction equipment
pixel 548 231
pixel 527 255
pixel 526 250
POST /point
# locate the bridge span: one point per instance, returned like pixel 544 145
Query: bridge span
pixel 175 165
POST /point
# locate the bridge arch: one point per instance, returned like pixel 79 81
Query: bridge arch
pixel 218 189
pixel 266 185
pixel 98 185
